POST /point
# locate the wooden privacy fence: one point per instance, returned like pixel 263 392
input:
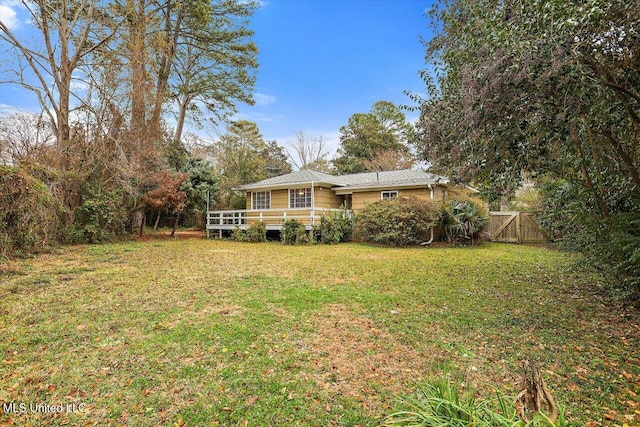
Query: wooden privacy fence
pixel 516 227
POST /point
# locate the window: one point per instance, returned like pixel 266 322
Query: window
pixel 261 200
pixel 389 195
pixel 300 198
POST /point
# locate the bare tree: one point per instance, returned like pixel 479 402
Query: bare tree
pixel 309 152
pixel 23 134
pixel 389 160
pixel 66 35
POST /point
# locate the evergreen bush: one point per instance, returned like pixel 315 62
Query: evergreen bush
pixel 100 217
pixel 238 235
pixel 610 243
pixel 336 228
pixel 257 232
pixel 396 222
pixel 293 233
pixel 29 215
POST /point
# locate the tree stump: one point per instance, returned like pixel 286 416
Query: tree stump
pixel 534 397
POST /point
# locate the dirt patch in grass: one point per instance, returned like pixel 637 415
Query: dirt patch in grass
pixel 353 357
pixel 191 233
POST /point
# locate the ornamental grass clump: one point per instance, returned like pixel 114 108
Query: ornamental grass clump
pixel 437 403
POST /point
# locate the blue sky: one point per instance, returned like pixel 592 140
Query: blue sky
pixel 321 61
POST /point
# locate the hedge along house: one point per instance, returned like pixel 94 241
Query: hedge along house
pixel 307 195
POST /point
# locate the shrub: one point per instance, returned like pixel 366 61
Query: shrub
pixel 396 222
pixel 336 228
pixel 293 233
pixel 437 403
pixel 29 215
pixel 463 221
pixel 238 235
pixel 610 244
pixel 101 215
pixel 255 233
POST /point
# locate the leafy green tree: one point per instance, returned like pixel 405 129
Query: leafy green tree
pixel 531 87
pixel 212 80
pixel 548 89
pixel 243 157
pixel 276 159
pixel 200 55
pixel 382 129
pixel 202 181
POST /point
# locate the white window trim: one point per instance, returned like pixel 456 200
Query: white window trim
pixel 310 190
pixel 389 192
pixel 253 193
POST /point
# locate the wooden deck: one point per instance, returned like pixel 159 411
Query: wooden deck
pixel 217 221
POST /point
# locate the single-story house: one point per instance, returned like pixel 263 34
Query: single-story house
pixel 307 195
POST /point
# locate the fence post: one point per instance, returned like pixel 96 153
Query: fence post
pixel 519 228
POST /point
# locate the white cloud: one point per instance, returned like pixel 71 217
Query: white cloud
pixel 78 83
pixel 259 3
pixel 6 109
pixel 264 100
pixel 257 117
pixel 9 17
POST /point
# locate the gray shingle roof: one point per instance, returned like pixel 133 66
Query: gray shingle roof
pixel 390 178
pixel 305 176
pixel 359 180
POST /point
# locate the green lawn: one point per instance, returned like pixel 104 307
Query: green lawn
pixel 200 332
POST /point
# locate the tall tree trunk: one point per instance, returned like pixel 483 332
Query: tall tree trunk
pixel 182 116
pixel 175 225
pixel 142 222
pixel 155 226
pixel 626 158
pixel 171 34
pixel 588 181
pixel 137 59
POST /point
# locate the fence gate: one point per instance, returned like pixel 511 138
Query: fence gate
pixel 516 227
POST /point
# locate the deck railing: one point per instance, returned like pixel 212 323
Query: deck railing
pixel 272 218
pixel 227 218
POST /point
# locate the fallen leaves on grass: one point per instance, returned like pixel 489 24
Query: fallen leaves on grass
pixel 352 357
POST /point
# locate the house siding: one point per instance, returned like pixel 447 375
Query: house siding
pixel 419 193
pixel 325 197
pixel 361 199
pixel 280 199
pixel 441 194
